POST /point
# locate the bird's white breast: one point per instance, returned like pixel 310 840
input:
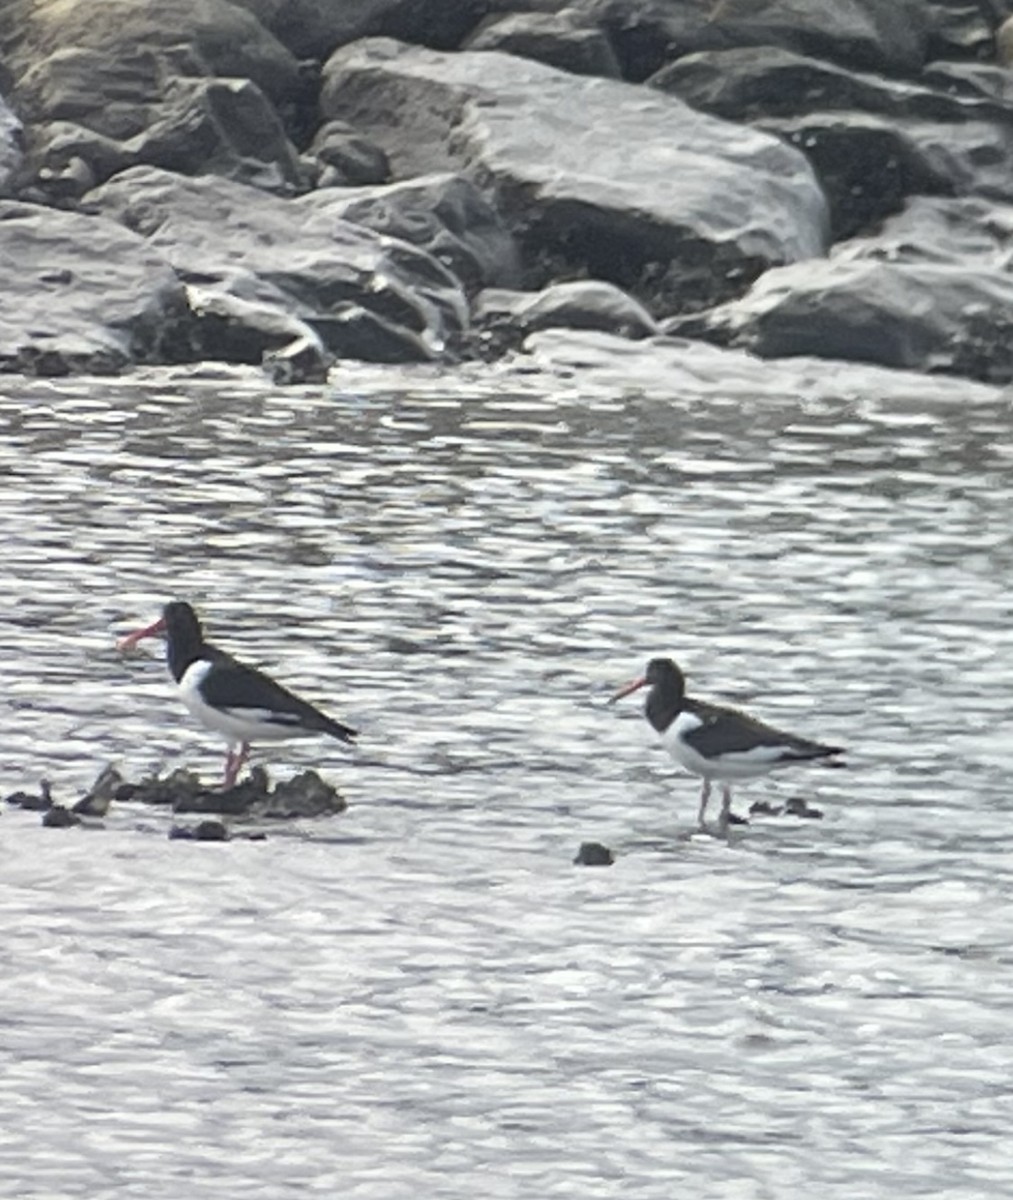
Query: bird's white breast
pixel 743 764
pixel 234 724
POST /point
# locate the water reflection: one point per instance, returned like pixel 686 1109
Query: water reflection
pixel 462 565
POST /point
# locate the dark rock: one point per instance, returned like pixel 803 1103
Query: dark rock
pixel 59 817
pixel 507 317
pixel 557 39
pixel 594 854
pixel 134 44
pixel 264 272
pixel 754 82
pixel 41 801
pixel 11 149
pixel 871 141
pixel 316 27
pixel 204 831
pixel 798 807
pixel 889 35
pixel 175 789
pixel 348 158
pixel 81 294
pixel 304 795
pixel 445 215
pixel 922 316
pixel 763 808
pixel 189 89
pixel 101 794
pixel 222 127
pixel 605 205
pixel 868 166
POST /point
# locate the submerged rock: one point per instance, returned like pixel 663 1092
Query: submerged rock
pixel 203 831
pixel 103 791
pixel 305 795
pixel 59 817
pixel 39 801
pixel 594 854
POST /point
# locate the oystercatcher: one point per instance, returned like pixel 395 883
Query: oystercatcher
pixel 715 742
pixel 239 702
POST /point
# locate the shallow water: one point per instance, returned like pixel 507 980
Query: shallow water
pixel 423 997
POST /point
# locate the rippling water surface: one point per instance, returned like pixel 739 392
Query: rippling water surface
pixel 423 997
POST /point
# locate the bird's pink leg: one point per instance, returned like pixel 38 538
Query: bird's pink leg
pixel 705 795
pixel 230 769
pixel 726 808
pixel 240 760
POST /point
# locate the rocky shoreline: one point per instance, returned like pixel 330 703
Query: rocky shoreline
pixel 434 180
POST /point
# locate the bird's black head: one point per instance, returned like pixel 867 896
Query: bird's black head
pixel 183 636
pixel 664 679
pixel 666 676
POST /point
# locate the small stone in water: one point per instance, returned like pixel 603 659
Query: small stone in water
pixel 594 854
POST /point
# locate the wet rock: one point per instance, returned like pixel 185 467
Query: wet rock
pixel 103 64
pixel 888 35
pixel 557 39
pixel 444 215
pixel 605 207
pixel 81 294
pixel 221 127
pixel 40 801
pixel 315 27
pixel 871 141
pixel 59 817
pixel 798 807
pixel 279 271
pixel 594 854
pixel 95 803
pixel 905 301
pixel 753 82
pixel 203 831
pixel 304 795
pixel 176 788
pixel 586 304
pixel 763 808
pixel 346 158
pixel 189 89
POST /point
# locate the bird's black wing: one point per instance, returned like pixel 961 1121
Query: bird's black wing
pixel 233 686
pixel 728 731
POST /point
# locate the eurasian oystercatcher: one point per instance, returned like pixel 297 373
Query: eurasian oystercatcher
pixel 239 702
pixel 715 742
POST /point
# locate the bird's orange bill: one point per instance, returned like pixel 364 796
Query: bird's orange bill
pixel 626 689
pixel 131 640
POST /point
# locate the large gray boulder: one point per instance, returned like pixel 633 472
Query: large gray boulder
pixel 81 293
pixel 192 87
pixel 263 271
pixel 445 215
pixel 932 291
pixel 595 177
pixel 872 141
